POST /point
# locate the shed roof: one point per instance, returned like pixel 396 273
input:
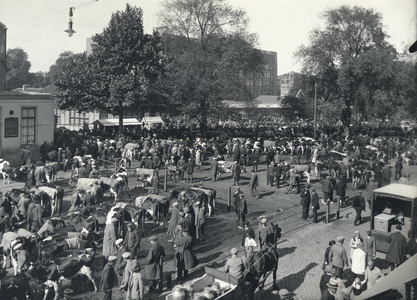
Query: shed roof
pixel 397 189
pixel 115 122
pixel 152 120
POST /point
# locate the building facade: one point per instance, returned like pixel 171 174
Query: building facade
pixel 25 121
pixel 266 82
pixel 287 82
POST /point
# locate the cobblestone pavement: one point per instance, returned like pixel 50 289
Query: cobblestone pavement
pixel 301 247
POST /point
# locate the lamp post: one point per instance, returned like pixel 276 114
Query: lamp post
pixel 69 30
pixel 315 111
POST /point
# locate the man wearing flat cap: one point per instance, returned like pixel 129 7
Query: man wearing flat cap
pixel 338 256
pixel 131 263
pixel 235 265
pixel 369 245
pixel 109 239
pixel 132 239
pixel 305 201
pixel 265 232
pixel 108 278
pixel 120 262
pixel 154 264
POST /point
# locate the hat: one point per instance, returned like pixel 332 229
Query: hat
pixel 119 241
pixel 398 227
pixel 238 187
pixel 126 255
pixel 153 238
pixel 283 293
pixel 128 224
pixel 112 258
pixel 233 251
pixel 264 220
pixel 196 203
pixel 332 283
pixel 175 203
pixel 340 238
pixel 357 232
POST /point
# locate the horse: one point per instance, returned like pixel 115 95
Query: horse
pixel 260 264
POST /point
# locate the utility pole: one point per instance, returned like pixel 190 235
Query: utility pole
pixel 315 111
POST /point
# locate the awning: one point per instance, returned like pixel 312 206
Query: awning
pixel 115 122
pixel 397 189
pixel 402 274
pixel 150 120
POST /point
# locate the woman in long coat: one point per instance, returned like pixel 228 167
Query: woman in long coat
pixel 184 255
pixel 174 219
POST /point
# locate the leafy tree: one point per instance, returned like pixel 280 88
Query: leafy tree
pixel 17 65
pixel 337 55
pixel 209 54
pixel 63 60
pixel 122 70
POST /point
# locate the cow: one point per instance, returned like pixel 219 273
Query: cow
pixel 65 267
pixel 7 171
pixel 14 286
pixel 51 171
pixel 133 213
pixel 116 184
pixel 154 205
pixel 56 193
pixel 210 197
pixel 332 166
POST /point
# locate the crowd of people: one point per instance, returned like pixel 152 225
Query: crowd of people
pixel 182 157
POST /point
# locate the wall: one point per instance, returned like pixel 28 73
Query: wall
pixel 44 131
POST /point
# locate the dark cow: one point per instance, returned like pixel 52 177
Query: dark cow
pixel 332 166
pixel 209 199
pixel 14 286
pixel 65 267
pixel 133 213
pixel 154 205
pixel 56 194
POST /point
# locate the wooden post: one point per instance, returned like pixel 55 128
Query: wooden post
pixel 327 211
pixel 339 199
pixel 267 174
pixel 229 199
pixel 169 282
pixel 166 178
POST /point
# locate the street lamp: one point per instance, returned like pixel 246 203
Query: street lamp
pixel 70 31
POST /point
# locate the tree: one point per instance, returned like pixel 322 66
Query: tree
pixel 17 66
pixel 209 54
pixel 352 37
pixel 63 60
pixel 122 70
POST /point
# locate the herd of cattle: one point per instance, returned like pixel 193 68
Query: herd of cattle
pixel 47 238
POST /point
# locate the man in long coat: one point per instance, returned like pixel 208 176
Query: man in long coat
pixel 338 256
pixel 305 201
pixel 132 240
pixel 214 167
pixel 315 204
pixel 185 256
pixel 173 220
pixel 154 263
pixel 396 249
pixel 108 277
pixel 109 239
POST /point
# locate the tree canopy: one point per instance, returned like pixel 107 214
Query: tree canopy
pixel 352 61
pixel 122 70
pixel 17 66
pixel 209 53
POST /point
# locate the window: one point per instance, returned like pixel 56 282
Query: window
pixel 78 119
pixel 28 126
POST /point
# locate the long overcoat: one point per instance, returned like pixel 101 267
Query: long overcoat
pixel 185 256
pixel 153 268
pixel 109 241
pixel 396 249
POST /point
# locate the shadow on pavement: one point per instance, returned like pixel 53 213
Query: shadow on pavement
pixel 209 258
pixel 286 251
pixel 208 247
pixel 293 281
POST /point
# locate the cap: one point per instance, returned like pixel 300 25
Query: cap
pixel 126 255
pixel 196 203
pixel 357 232
pixel 340 238
pixel 264 220
pixel 112 258
pixel 129 224
pixel 119 241
pixel 175 203
pixel 283 293
pixel 233 251
pixel 153 238
pixel 332 283
pixel 398 227
pixel 238 187
pixel 18 246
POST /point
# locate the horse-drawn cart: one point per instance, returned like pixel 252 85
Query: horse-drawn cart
pixel 216 283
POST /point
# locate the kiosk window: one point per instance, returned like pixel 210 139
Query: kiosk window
pixel 11 127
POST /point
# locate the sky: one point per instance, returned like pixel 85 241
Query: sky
pixel 37 26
